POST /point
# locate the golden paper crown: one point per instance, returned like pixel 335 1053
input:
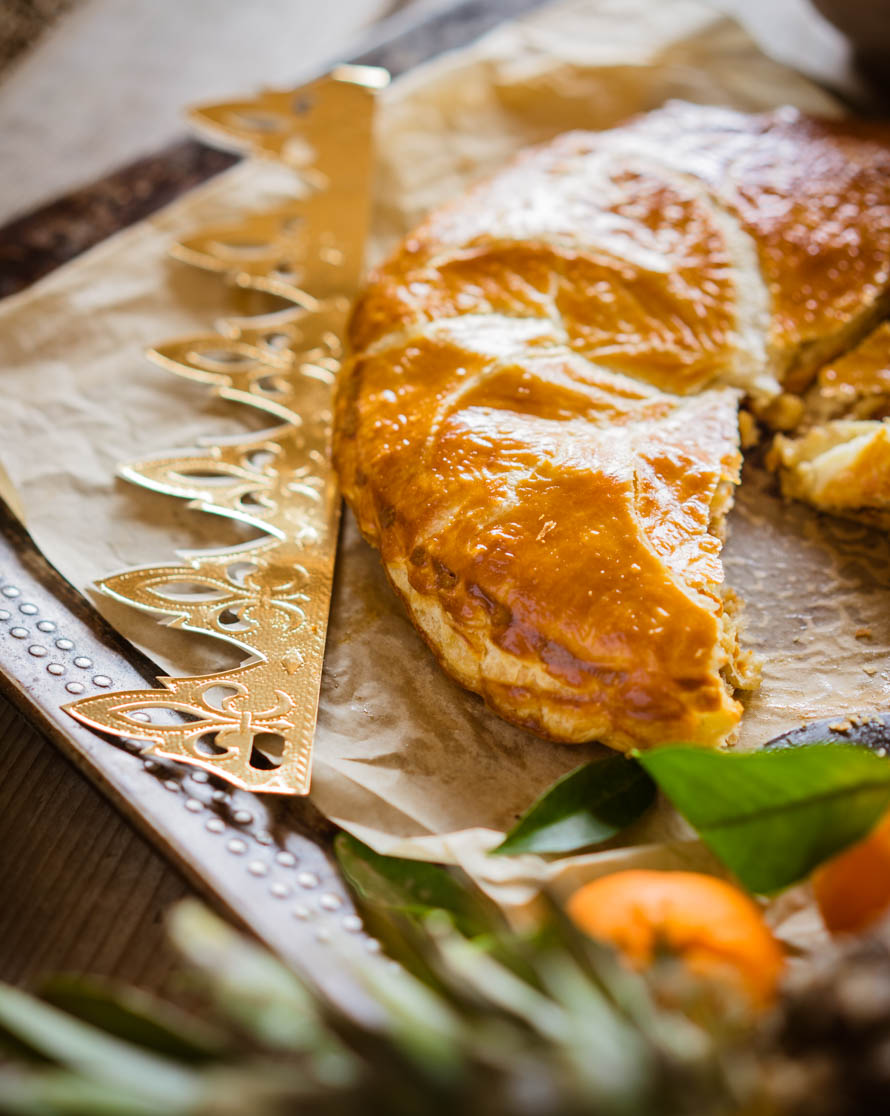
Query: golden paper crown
pixel 254 725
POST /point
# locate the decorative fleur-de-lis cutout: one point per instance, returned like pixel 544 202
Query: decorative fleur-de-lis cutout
pixel 234 366
pixel 321 130
pixel 254 725
pixel 278 481
pixel 246 725
pixel 243 595
pixel 256 365
pixel 295 126
pixel 280 251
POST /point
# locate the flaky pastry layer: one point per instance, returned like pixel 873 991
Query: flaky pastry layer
pixel 838 459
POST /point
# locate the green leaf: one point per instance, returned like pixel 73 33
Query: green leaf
pixel 589 805
pixel 773 816
pixel 60 1093
pixel 247 983
pixel 487 978
pixel 136 1016
pixel 563 1009
pixel 609 1055
pixel 96 1056
pixel 420 1021
pixel 413 886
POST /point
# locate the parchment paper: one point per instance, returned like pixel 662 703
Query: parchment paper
pixel 404 758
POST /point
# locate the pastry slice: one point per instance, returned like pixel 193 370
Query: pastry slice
pixel 841 467
pixel 553 527
pixel 840 460
pixel 856 385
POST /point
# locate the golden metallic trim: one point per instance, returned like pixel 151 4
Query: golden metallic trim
pixel 254 725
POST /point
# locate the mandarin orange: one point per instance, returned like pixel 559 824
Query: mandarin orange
pixel 715 928
pixel 853 888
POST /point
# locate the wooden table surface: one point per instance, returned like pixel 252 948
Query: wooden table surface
pixel 79 888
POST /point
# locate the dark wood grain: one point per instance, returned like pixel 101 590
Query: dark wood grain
pixel 81 889
pixel 33 245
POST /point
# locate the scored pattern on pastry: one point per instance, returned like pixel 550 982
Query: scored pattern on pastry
pixel 539 431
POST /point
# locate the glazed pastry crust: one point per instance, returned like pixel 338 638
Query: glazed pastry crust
pixel 858 383
pixel 538 429
pixel 814 197
pixel 546 522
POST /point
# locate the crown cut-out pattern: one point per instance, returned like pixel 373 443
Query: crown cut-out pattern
pixel 254 725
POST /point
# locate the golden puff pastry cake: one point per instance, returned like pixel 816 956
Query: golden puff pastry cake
pixel 538 428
